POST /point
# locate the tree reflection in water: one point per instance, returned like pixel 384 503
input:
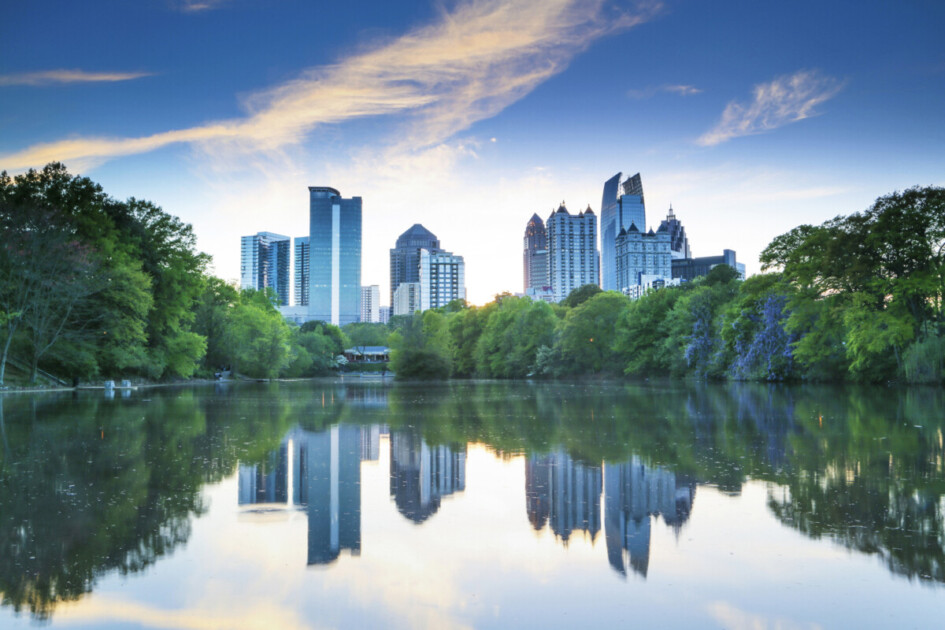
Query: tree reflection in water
pixel 90 486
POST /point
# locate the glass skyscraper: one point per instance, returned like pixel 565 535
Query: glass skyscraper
pixel 622 205
pixel 264 263
pixel 334 256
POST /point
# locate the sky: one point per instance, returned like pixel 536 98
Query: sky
pixel 749 118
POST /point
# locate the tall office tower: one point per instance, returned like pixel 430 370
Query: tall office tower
pixel 265 264
pixel 573 260
pixel 679 244
pixel 301 271
pixel 536 254
pixel 407 298
pixel 621 206
pixel 405 257
pixel 442 279
pixel 370 307
pixel 642 259
pixel 334 256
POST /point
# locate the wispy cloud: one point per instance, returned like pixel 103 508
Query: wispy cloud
pixel 785 100
pixel 51 77
pixel 195 6
pixel 469 65
pixel 650 92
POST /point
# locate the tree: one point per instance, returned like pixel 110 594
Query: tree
pixel 588 335
pixel 45 274
pixel 261 336
pixel 580 295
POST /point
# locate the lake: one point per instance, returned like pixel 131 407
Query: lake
pixel 373 504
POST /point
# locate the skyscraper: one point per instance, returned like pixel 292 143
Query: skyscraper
pixel 536 254
pixel 370 307
pixel 642 259
pixel 264 263
pixel 335 256
pixel 301 271
pixel 442 279
pixel 679 244
pixel 622 205
pixel 405 257
pixel 573 260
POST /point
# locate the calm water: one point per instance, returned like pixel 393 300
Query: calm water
pixel 474 505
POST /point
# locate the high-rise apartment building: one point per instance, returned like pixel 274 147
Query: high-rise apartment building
pixel 264 263
pixel 573 260
pixel 407 298
pixel 405 257
pixel 370 306
pixel 442 279
pixel 334 256
pixel 301 271
pixel 536 254
pixel 622 205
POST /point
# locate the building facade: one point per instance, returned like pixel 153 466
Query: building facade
pixel 573 260
pixel 385 312
pixel 442 279
pixel 407 298
pixel 264 264
pixel 334 256
pixel 642 259
pixel 622 205
pixel 370 307
pixel 678 242
pixel 301 271
pixel 536 254
pixel 689 269
pixel 405 257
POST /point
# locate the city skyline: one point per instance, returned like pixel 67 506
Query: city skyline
pixel 762 116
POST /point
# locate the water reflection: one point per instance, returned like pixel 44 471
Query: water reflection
pixel 563 493
pixel 421 475
pixel 91 486
pixel 635 494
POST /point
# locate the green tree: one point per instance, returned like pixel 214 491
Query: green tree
pixel 580 295
pixel 589 335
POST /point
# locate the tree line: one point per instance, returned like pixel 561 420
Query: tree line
pixel 857 298
pixel 93 287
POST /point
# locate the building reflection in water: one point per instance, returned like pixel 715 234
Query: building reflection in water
pixel 420 475
pixel 326 482
pixel 564 493
pixel 634 495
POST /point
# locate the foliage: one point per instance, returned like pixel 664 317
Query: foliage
pixel 580 295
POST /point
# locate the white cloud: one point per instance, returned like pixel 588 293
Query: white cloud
pixel 50 77
pixel 195 6
pixel 467 66
pixel 784 100
pixel 650 92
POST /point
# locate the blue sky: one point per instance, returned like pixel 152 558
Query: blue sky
pixel 749 117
